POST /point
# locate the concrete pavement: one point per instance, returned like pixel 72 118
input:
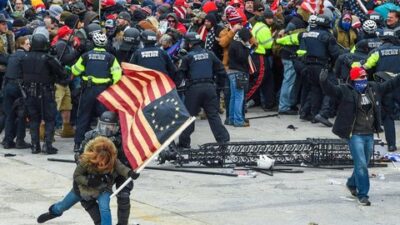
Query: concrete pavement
pixel 29 184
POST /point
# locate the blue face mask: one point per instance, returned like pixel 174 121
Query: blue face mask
pixel 346 25
pixel 360 85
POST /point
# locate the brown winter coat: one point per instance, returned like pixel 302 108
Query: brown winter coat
pixel 83 170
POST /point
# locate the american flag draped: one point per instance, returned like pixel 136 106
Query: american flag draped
pixel 149 109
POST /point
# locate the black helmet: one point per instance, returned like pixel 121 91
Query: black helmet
pixel 132 36
pixel 92 28
pixel 39 42
pixel 193 38
pixel 323 21
pixel 108 124
pixel 77 8
pixel 148 37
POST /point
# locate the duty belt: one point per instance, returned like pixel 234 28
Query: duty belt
pixel 200 81
pixel 315 60
pixel 12 81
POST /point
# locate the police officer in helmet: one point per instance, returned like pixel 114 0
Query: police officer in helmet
pixel 202 70
pixel 100 69
pixel 153 57
pixel 130 43
pixel 38 81
pixel 319 49
pixel 108 126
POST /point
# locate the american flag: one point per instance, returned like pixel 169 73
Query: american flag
pixel 313 6
pixel 149 109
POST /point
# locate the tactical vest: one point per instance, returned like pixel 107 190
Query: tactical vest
pixel 152 58
pixel 35 68
pixel 389 56
pixel 98 63
pixel 13 70
pixel 315 43
pixel 200 65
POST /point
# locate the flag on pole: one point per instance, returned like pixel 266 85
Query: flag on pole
pixel 149 109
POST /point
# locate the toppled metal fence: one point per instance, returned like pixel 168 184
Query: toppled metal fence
pixel 315 152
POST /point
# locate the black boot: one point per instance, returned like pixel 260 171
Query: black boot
pixel 36 148
pixel 48 149
pixel 93 209
pixel 8 145
pixel 21 144
pixel 77 147
pixel 46 216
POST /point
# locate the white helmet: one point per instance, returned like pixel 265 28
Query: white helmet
pixel 369 27
pixel 312 21
pixel 99 39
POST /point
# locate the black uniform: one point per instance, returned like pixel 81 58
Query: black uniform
pixel 202 70
pixel 154 58
pixel 321 50
pixel 14 110
pixel 39 86
pixel 123 200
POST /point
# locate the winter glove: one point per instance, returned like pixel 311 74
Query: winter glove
pixel 94 180
pixel 132 174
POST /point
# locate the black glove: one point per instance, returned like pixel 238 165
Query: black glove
pixel 94 180
pixel 132 174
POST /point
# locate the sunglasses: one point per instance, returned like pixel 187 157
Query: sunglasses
pixel 171 21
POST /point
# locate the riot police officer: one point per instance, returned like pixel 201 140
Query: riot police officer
pixel 385 58
pixel 12 104
pixel 38 81
pixel 100 69
pixel 153 57
pixel 130 43
pixel 198 68
pixel 108 126
pixel 319 48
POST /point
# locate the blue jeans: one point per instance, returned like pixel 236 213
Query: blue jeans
pixel 236 101
pixel 72 198
pixel 361 147
pixel 286 99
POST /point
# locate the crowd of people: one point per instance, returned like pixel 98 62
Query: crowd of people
pixel 57 56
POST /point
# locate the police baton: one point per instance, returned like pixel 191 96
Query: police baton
pixel 22 90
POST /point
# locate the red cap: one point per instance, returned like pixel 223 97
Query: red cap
pixel 209 7
pixel 63 31
pixel 356 72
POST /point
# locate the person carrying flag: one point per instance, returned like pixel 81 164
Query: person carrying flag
pixel 94 177
pixel 108 126
pixel 100 69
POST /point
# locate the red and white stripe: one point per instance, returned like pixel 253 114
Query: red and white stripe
pixel 137 88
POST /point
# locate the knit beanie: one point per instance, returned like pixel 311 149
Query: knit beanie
pixel 55 11
pixel 232 15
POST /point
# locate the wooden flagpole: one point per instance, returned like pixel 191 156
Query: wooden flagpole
pixel 166 143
